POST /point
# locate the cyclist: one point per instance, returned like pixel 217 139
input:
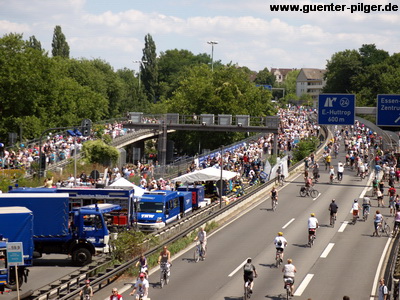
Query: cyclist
pixel 333 208
pixel 280 244
pixel 312 226
pixel 340 170
pixel 308 184
pixel 141 288
pixel 366 205
pixel 289 271
pixel 377 222
pixel 143 264
pixel 165 259
pixel 87 291
pixel 274 194
pixel 202 237
pixel 331 174
pixel 356 208
pixel 249 273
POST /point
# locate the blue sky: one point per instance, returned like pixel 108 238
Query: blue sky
pixel 248 33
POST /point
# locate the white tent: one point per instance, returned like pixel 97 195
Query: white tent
pixel 122 183
pixel 208 174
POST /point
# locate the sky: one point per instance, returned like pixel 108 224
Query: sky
pixel 247 31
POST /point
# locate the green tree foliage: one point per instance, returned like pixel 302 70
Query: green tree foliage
pixel 59 44
pixel 371 56
pixel 34 43
pixel 341 71
pixel 149 69
pixel 225 91
pixel 304 148
pixel 265 77
pixel 99 152
pixel 171 64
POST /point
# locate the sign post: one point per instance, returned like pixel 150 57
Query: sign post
pixel 388 110
pixel 15 257
pixel 336 109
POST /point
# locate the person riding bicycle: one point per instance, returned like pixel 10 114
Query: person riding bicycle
pixel 141 288
pixel 280 244
pixel 289 271
pixel 202 237
pixel 308 184
pixel 164 260
pixel 279 174
pixel 356 208
pixel 274 194
pixel 87 291
pixel 312 226
pixel 331 173
pixel 144 268
pixel 333 208
pixel 377 222
pixel 249 273
pixel 340 170
pixel 366 204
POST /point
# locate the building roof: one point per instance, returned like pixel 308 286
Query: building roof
pixel 282 71
pixel 313 74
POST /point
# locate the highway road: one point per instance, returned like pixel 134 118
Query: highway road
pixel 343 261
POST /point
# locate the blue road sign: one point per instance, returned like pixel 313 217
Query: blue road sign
pixel 388 110
pixel 336 109
pixel 15 255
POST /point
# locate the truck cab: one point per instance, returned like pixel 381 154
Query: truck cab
pixel 156 209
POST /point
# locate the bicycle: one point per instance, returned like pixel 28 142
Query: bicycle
pixel 165 273
pixel 365 213
pixel 274 203
pixel 333 219
pixel 311 192
pixel 311 238
pixel 384 228
pixel 141 295
pixel 288 287
pixel 199 252
pixel 247 290
pixel 278 257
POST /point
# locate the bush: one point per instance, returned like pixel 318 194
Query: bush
pixel 304 148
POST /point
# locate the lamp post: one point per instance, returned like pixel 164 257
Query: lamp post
pixel 141 64
pixel 212 43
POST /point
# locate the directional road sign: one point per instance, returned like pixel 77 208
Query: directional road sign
pixel 336 109
pixel 388 110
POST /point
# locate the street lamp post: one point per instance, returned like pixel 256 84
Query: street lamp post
pixel 212 43
pixel 141 64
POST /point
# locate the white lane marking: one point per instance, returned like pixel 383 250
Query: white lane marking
pixel 327 250
pixel 238 268
pixel 378 270
pixel 319 194
pixel 288 223
pixel 343 226
pixel 303 285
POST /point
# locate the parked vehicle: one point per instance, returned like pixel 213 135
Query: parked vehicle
pixel 16 225
pixel 156 209
pixel 197 195
pixel 80 232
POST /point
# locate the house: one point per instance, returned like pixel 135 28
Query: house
pixel 310 81
pixel 280 74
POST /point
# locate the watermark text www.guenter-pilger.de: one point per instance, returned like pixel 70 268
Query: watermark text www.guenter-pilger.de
pixel 353 8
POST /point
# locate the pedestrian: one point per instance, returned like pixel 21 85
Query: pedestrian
pixel 377 222
pixel 115 295
pixel 383 290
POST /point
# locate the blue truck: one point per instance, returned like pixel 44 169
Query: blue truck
pixel 80 232
pixel 156 209
pixel 197 192
pixel 16 225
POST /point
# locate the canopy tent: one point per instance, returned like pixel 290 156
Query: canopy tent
pixel 122 183
pixel 208 174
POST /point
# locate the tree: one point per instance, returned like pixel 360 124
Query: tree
pixel 99 152
pixel 149 69
pixel 59 44
pixel 371 56
pixel 341 71
pixel 265 77
pixel 34 43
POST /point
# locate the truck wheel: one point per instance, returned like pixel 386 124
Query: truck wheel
pixel 81 257
pixel 12 283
